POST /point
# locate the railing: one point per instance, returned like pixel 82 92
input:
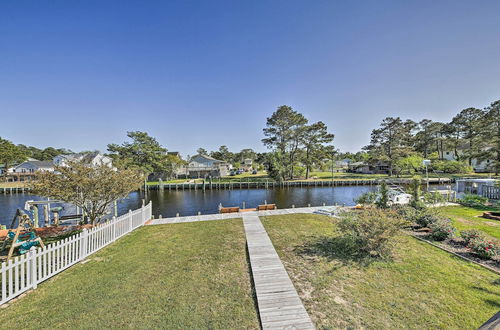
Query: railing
pixel 491 192
pixel 23 273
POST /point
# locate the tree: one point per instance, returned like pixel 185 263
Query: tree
pixel 284 131
pixel 466 128
pixel 93 189
pixel 382 201
pixel 10 154
pixel 416 193
pixel 201 151
pixel 490 136
pixel 144 153
pixel 223 154
pixel 314 140
pixel 246 154
pixel 425 137
pixel 409 164
pixel 391 141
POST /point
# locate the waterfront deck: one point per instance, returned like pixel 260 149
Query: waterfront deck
pixel 218 216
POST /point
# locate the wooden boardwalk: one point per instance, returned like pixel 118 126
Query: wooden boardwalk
pixel 278 302
pixel 207 217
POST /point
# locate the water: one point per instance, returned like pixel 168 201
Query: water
pixel 190 202
pixel 10 203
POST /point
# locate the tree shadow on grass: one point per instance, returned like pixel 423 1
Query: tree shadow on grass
pixel 338 248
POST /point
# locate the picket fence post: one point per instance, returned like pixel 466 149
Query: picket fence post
pixel 129 221
pixel 33 270
pixel 84 240
pixel 143 215
pixel 114 229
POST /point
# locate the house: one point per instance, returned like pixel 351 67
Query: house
pixel 484 166
pixel 202 166
pixel 472 186
pixel 89 158
pixel 27 170
pixel 247 165
pixel 359 167
pixel 364 168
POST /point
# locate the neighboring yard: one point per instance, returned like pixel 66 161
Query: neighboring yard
pixel 192 275
pixel 262 177
pixel 423 287
pixel 12 184
pixel 466 218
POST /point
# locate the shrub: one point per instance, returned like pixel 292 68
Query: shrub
pixel 415 191
pixel 367 198
pixel 370 232
pixel 451 166
pixel 408 213
pixel 469 235
pixel 425 218
pixel 483 248
pixel 441 229
pixel 434 197
pixel 472 200
pixel 383 196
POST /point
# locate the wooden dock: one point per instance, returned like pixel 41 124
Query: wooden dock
pixel 218 216
pixel 278 303
pixel 285 184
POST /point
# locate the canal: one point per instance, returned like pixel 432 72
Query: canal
pixel 190 202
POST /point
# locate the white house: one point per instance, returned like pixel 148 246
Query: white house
pixel 201 166
pixel 478 166
pixel 90 158
pixel 247 165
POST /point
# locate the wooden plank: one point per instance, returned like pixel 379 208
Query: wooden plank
pixel 278 303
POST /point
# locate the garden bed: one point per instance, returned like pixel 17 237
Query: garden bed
pixel 457 246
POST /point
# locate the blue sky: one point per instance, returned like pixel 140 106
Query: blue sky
pixel 79 74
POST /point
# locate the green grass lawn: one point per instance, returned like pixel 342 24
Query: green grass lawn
pixel 262 177
pixel 358 176
pixel 466 218
pixel 180 276
pixel 422 288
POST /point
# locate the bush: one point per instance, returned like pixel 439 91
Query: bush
pixel 441 229
pixel 383 196
pixel 472 200
pixel 367 198
pixel 451 166
pixel 370 232
pixel 483 248
pixel 434 198
pixel 425 218
pixel 469 235
pixel 408 213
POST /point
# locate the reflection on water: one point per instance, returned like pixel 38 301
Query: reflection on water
pixel 190 202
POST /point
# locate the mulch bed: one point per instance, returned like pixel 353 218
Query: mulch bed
pixel 457 245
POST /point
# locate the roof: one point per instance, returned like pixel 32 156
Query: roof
pixel 38 163
pixel 357 164
pixel 207 157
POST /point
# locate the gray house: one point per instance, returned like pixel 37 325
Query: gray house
pixel 202 166
pixel 27 170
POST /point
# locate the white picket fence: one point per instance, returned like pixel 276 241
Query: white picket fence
pixel 25 272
